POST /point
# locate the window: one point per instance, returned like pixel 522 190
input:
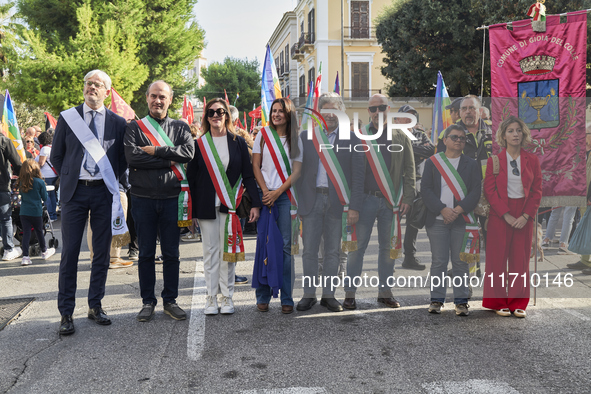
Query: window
pixel 302 86
pixel 312 76
pixel 360 79
pixel 287 58
pixel 359 19
pixel 311 26
pixel 281 65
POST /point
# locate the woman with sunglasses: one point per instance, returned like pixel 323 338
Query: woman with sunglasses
pixel 450 189
pixel 277 162
pixel 30 148
pixel 218 175
pixel 514 196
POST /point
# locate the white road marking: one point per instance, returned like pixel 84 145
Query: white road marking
pixel 288 390
pixel 475 386
pixel 196 335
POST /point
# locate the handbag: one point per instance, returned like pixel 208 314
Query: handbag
pixel 483 206
pixel 243 210
pixel 418 215
pixel 580 242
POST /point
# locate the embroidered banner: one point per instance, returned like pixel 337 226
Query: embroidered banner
pixel 540 78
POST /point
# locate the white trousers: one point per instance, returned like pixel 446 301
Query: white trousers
pixel 219 274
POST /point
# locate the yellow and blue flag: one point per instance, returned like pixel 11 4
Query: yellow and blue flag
pixel 10 126
pixel 441 116
pixel 270 88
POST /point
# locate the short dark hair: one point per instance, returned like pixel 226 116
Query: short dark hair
pixel 451 128
pixel 45 138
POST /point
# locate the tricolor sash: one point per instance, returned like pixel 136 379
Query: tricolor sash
pixel 384 181
pixel 337 177
pixel 470 251
pixel 228 195
pixel 94 149
pixel 283 167
pixel 158 137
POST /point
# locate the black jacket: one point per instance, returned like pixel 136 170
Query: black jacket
pixel 470 173
pixel 202 190
pixel 8 155
pixel 152 176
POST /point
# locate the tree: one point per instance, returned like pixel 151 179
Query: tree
pixel 135 41
pixel 422 37
pixel 235 76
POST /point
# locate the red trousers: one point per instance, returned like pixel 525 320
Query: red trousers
pixel 506 280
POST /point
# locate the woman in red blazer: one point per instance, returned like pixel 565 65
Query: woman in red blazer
pixel 514 196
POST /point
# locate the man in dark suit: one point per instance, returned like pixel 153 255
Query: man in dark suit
pixel 84 191
pixel 320 207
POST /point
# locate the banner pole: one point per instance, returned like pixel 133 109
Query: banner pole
pixel 535 255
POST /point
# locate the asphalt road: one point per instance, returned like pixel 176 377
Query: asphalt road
pixel 372 349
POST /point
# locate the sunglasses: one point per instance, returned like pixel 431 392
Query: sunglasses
pixel 515 169
pixel 212 112
pixel 30 142
pixel 456 138
pixel 382 108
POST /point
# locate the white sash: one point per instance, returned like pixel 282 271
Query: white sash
pixel 94 148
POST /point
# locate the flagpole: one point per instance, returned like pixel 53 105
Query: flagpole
pixel 342 80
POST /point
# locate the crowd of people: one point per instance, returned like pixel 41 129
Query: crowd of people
pixel 147 179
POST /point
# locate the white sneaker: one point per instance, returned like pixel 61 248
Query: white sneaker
pixel 191 237
pixel 227 306
pixel 13 254
pixel 48 253
pixel 26 260
pixel 211 305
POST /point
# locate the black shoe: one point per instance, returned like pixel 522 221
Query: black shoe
pixel 146 314
pixel 389 302
pixel 331 304
pixel 412 263
pixel 349 303
pixel 174 311
pixel 240 280
pixel 99 316
pixel 67 325
pixel 579 265
pixel 306 303
pixel 133 255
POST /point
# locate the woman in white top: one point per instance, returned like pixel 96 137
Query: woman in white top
pixel 275 187
pixel 50 176
pixel 227 153
pixel 514 196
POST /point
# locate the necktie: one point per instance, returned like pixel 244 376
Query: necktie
pixel 90 165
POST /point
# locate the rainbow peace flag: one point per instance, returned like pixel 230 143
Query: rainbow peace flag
pixel 270 89
pixel 10 127
pixel 441 116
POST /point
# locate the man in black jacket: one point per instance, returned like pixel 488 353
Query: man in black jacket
pixel 153 146
pixel 8 155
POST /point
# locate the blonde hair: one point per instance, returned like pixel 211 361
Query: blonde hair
pixel 29 170
pixel 500 137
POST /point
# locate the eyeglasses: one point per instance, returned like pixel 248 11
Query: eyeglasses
pixel 515 169
pixel 212 112
pixel 97 85
pixel 456 138
pixel 382 108
pixel 30 142
pixel 470 108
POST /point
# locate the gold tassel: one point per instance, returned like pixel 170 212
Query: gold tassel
pixel 395 253
pixel 295 249
pixel 233 257
pixel 349 246
pixel 120 240
pixel 184 223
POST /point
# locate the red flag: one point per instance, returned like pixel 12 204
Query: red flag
pixel 191 117
pixel 188 110
pixel 245 122
pixel 50 119
pixel 120 107
pixel 226 94
pixel 240 126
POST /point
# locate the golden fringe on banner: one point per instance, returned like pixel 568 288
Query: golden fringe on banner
pixel 295 249
pixel 349 246
pixel 469 257
pixel 233 257
pixel 395 253
pixel 184 223
pixel 120 240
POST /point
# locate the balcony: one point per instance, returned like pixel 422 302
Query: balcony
pixel 306 42
pixel 359 33
pixel 295 52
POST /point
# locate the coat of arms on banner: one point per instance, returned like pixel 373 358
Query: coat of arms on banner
pixel 538 103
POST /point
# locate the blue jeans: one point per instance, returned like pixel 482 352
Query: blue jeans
pixel 317 224
pixel 153 217
pixel 51 202
pixel 446 239
pixel 263 293
pixel 373 207
pixel 567 223
pixel 6 221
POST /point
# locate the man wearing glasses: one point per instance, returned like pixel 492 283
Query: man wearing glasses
pixel 154 147
pixel 399 166
pixel 84 135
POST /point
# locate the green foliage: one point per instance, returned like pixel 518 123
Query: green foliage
pixel 421 37
pixel 29 115
pixel 236 76
pixel 134 41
